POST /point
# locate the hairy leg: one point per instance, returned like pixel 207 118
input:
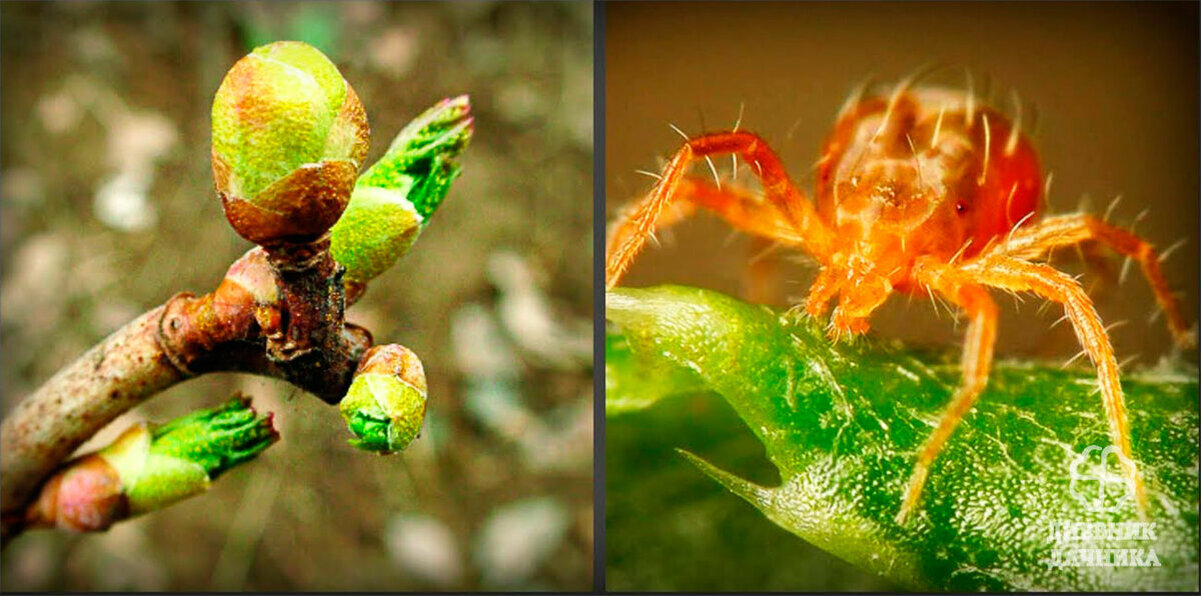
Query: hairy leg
pixel 741 209
pixel 749 213
pixel 746 211
pixel 641 221
pixel 824 287
pixel 977 362
pixel 1017 275
pixel 620 229
pixel 1034 241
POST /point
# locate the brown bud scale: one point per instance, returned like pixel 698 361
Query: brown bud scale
pixel 325 189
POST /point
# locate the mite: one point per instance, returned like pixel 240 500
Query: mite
pixel 922 190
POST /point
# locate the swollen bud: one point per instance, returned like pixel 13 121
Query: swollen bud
pixel 150 467
pixel 289 136
pixel 385 405
pixel 394 199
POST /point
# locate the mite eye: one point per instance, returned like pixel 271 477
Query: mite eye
pixel 960 207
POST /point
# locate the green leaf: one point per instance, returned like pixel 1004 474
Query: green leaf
pixel 842 423
pixel 669 528
pixel 216 439
pixel 633 384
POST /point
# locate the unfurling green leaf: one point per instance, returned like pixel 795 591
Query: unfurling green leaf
pixel 1006 500
pixel 394 199
pixel 150 467
pixel 164 464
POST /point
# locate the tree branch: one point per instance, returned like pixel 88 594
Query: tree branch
pixel 239 327
pixel 279 310
pixel 44 429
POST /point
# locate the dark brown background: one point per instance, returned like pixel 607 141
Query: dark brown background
pixel 1115 86
pixel 312 513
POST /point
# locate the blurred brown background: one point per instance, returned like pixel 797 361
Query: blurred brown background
pixel 1114 86
pixel 108 209
pixel 1115 89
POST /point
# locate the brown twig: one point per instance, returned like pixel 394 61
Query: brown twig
pixel 278 315
pixel 42 431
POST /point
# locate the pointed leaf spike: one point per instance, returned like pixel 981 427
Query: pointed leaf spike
pixel 759 496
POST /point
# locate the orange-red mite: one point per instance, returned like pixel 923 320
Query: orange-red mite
pixel 921 190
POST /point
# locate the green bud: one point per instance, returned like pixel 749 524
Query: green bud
pixel 289 135
pixel 394 199
pixel 161 465
pixel 379 226
pixel 385 405
pixel 149 467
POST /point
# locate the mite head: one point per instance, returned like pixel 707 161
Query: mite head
pixel 882 173
pixel 885 195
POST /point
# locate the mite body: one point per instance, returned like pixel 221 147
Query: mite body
pixel 925 174
pixel 919 190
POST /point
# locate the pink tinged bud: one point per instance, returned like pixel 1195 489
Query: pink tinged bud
pixel 253 273
pixel 84 497
pixel 396 361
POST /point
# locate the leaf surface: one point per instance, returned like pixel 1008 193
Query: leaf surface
pixel 842 424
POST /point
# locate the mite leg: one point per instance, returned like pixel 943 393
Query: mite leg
pixel 640 222
pixel 620 229
pixel 742 210
pixel 1096 259
pixel 1034 241
pixel 977 362
pixel 1017 275
pixel 825 286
